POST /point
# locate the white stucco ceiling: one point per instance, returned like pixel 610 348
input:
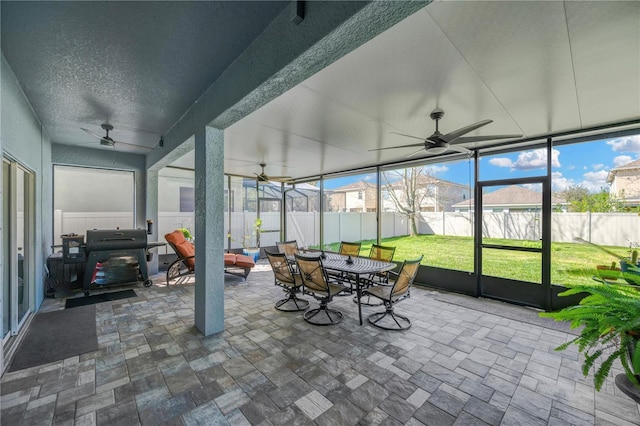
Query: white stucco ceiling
pixel 534 68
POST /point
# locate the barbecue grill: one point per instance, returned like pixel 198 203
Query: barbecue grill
pixel 115 257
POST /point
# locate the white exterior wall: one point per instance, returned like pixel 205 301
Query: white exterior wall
pixel 627 181
pixel 353 202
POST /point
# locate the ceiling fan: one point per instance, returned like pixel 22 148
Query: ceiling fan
pixel 262 177
pixel 439 143
pixel 107 141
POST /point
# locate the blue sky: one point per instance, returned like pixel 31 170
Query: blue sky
pixel 586 164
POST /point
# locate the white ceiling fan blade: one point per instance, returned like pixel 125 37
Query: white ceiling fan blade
pixel 417 152
pixel 95 135
pixel 399 146
pixel 131 144
pixel 407 136
pixel 451 136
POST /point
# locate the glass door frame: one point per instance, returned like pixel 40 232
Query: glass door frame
pixel 537 295
pixel 28 249
pixel 278 200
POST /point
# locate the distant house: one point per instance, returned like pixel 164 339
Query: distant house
pixel 435 195
pixel 356 197
pixel 511 199
pixel 625 182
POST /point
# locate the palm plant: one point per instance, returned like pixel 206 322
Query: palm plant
pixel 610 317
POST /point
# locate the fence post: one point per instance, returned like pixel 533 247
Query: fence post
pixel 444 224
pixel 589 227
pixel 57 225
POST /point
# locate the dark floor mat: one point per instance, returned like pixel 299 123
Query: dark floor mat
pixel 54 336
pixel 99 298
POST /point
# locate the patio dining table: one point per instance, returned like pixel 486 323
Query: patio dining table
pixel 358 267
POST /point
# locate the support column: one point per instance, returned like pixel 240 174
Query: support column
pixel 209 237
pixel 152 214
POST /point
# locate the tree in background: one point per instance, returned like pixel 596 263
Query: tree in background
pixel 414 189
pixel 405 192
pixel 581 200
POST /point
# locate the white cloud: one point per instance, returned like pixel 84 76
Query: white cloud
pixel 559 182
pixel 501 162
pixel 626 144
pixel 536 159
pixel 434 170
pixel 369 177
pixel 622 160
pixel 594 181
pixel 597 167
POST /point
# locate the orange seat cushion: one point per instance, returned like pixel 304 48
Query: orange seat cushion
pixel 183 247
pixel 244 261
pixel 229 259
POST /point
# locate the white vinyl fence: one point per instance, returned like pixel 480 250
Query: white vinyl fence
pixel 615 229
pixel 79 222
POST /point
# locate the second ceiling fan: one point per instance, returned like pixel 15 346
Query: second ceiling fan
pixel 439 143
pixel 107 141
pixel 263 177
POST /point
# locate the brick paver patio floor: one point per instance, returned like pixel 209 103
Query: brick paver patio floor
pixel 456 365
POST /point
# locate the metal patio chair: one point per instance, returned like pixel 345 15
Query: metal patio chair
pixel 288 247
pixel 392 294
pixel 385 254
pixel 291 282
pixel 316 284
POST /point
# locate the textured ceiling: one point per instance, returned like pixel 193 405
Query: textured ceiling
pixel 136 65
pixel 532 67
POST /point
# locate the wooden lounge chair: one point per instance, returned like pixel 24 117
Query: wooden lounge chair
pixel 184 266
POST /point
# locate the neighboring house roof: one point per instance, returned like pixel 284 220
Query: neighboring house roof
pixel 634 165
pixel 511 196
pixel 355 186
pixel 427 179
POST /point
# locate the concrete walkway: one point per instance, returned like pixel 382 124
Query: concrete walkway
pixel 456 365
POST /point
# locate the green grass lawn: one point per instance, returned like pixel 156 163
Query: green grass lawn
pixel 570 262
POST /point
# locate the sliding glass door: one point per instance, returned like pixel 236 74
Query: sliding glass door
pixel 17 245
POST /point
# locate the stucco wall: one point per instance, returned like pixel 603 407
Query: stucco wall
pixel 24 141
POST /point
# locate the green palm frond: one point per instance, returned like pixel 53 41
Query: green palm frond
pixel 609 321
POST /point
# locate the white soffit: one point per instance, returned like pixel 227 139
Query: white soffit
pixel 605 43
pixel 532 67
pixel 521 51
